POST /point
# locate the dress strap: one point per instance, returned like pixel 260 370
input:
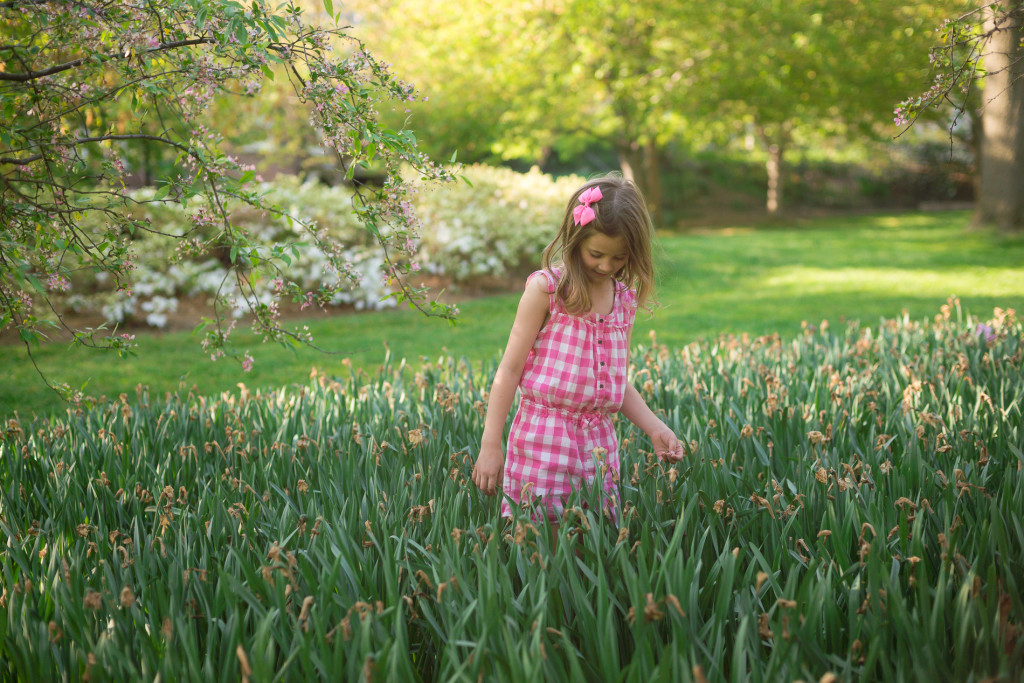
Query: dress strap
pixel 551 278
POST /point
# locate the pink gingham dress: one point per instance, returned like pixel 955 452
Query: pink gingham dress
pixel 573 381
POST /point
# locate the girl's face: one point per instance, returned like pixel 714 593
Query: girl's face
pixel 603 256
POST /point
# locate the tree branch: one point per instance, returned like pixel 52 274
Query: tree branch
pixel 35 75
pixel 22 3
pixel 100 138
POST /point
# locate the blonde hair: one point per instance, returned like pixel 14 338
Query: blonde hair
pixel 621 212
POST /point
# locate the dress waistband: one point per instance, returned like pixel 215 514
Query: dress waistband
pixel 581 416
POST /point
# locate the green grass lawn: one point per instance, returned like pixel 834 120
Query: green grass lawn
pixel 730 280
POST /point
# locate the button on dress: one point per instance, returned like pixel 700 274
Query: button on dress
pixel 574 379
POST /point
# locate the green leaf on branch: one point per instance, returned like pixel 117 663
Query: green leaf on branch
pixel 29 336
pixel 203 324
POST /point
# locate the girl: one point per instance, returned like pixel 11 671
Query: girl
pixel 568 353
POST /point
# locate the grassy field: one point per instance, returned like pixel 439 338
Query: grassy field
pixel 848 509
pixel 730 280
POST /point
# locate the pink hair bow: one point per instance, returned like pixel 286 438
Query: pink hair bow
pixel 583 214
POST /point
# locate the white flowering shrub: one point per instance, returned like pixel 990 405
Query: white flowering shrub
pixel 496 223
pixel 501 222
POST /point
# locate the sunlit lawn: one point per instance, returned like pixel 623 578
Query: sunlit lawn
pixel 731 280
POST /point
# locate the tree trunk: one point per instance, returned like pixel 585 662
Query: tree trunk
pixel 974 145
pixel 642 165
pixel 774 139
pixel 774 166
pixel 545 156
pixel 1001 200
pixel 626 164
pixel 147 163
pixel 652 183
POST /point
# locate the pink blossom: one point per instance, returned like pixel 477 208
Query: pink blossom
pixel 58 282
pixel 247 363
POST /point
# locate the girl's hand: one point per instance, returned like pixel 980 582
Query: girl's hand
pixel 487 472
pixel 666 445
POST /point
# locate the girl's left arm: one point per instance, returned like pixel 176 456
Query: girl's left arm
pixel 636 410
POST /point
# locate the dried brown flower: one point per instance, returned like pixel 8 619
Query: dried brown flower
pixel 127 597
pixel 93 600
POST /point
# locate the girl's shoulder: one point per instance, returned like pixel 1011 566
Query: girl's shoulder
pixel 549 278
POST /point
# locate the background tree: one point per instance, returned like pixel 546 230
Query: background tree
pixel 525 78
pixel 522 80
pixel 467 58
pixel 788 68
pixel 79 82
pixel 630 65
pixel 1001 201
pixel 984 47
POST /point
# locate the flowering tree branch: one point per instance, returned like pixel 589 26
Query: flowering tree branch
pixel 79 81
pixel 959 58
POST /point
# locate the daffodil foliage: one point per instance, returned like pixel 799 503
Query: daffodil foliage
pixel 848 509
pixel 83 84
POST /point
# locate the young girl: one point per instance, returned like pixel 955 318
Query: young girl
pixel 568 354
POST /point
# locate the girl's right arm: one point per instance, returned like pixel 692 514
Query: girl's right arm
pixel 532 313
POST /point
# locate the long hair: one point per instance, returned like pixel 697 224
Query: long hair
pixel 621 212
